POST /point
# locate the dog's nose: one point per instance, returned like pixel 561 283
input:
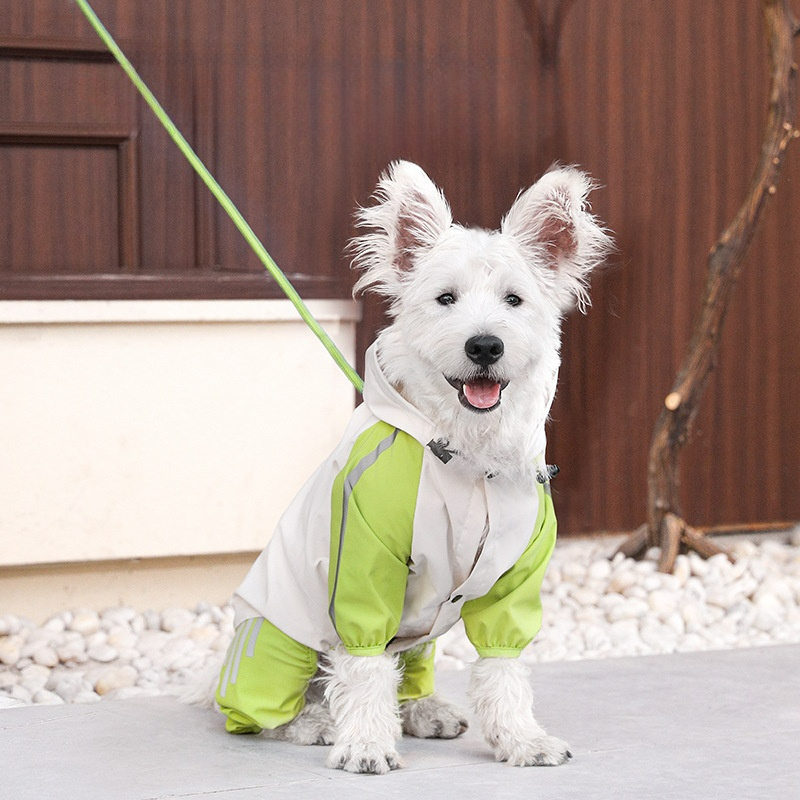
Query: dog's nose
pixel 484 350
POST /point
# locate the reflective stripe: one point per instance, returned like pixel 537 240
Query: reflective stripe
pixel 240 650
pixel 350 482
pixel 236 650
pixel 251 646
pixel 226 665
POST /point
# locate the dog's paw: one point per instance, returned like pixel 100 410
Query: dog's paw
pixel 544 751
pixel 432 718
pixel 363 757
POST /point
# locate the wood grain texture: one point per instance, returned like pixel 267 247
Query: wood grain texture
pixel 297 105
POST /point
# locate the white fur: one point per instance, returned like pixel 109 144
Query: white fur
pixel 362 695
pixel 502 698
pixel 413 254
pixel 432 718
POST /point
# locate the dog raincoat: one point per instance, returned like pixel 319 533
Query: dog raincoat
pixel 390 542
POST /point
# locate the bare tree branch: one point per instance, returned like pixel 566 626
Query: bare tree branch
pixel 666 527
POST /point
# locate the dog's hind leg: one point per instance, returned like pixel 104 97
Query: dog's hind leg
pixel 362 694
pixel 502 698
pixel 313 725
pixel 423 714
pixel 432 718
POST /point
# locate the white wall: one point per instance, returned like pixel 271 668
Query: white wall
pixel 153 429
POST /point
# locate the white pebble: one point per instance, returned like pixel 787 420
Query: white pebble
pixel 692 613
pixel 633 608
pixel 122 639
pixel 204 635
pixel 682 570
pixel 116 678
pixel 8 679
pixel 102 652
pixel 55 624
pixel 599 570
pixel 8 625
pixel 662 603
pixel 584 596
pixel 698 565
pixel 34 677
pixel 68 687
pixel 118 617
pixel 85 622
pixel 176 619
pixel 620 581
pixel 625 631
pixel 776 586
pixel 46 656
pixel 19 692
pixel 44 697
pixel 72 650
pixel 86 696
pixel 659 637
pixel 11 649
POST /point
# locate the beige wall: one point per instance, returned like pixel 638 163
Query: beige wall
pixel 158 429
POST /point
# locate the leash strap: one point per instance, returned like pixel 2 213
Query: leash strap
pixel 225 201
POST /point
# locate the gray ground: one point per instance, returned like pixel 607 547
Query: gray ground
pixel 694 725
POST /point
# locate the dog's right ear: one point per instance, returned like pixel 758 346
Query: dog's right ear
pixel 409 216
pixel 562 239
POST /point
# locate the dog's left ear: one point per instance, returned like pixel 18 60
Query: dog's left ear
pixel 406 221
pixel 560 236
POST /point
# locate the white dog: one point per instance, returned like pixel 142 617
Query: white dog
pixel 436 504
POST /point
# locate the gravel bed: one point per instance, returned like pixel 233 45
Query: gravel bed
pixel 594 607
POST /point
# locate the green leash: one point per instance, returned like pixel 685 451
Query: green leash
pixel 221 196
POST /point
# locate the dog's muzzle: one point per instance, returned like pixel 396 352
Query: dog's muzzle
pixel 481 393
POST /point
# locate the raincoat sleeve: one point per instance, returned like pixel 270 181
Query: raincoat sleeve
pixel 373 504
pixel 504 621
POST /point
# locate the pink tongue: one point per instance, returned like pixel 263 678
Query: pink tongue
pixel 482 393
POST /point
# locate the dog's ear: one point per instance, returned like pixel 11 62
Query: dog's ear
pixel 560 236
pixel 408 217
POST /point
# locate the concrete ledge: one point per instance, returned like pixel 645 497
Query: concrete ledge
pixel 701 725
pixel 39 591
pixel 158 429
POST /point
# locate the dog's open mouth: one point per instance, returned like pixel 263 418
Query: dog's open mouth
pixel 478 394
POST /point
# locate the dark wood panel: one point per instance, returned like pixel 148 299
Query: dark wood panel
pixel 672 97
pixel 297 105
pixel 80 236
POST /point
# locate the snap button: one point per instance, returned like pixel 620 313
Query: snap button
pixel 456 598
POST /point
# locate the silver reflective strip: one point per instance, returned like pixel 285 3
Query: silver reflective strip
pixel 240 651
pixel 251 645
pixel 350 482
pixel 226 666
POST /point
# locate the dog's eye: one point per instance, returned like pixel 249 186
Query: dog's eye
pixel 513 299
pixel 446 299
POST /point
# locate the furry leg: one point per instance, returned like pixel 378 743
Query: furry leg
pixel 502 698
pixel 313 725
pixel 362 694
pixel 432 718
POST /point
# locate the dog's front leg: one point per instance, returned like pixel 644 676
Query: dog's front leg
pixel 362 694
pixel 502 699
